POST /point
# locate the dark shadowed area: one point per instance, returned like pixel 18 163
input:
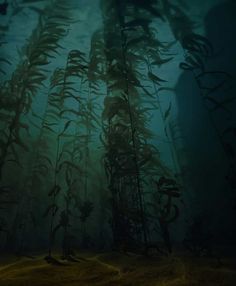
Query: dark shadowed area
pixel 117 142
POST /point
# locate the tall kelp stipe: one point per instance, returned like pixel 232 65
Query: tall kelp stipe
pixel 98 86
pixel 130 160
pixel 86 122
pixel 30 74
pixel 72 162
pixel 28 77
pixel 63 90
pixel 38 174
pixel 118 108
pixel 76 149
pixel 153 53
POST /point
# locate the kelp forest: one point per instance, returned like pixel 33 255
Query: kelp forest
pixel 117 142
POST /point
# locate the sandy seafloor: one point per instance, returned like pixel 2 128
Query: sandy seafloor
pixel 119 269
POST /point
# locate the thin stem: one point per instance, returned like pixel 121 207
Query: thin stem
pixel 139 187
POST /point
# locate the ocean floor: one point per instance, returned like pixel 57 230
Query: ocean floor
pixel 118 269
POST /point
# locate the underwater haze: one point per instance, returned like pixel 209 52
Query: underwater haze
pixel 117 142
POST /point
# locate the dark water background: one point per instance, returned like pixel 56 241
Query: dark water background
pixel 200 160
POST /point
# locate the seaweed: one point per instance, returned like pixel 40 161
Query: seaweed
pixel 129 159
pixel 165 209
pixel 62 88
pixel 22 88
pixel 88 150
pixel 27 78
pixel 197 49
